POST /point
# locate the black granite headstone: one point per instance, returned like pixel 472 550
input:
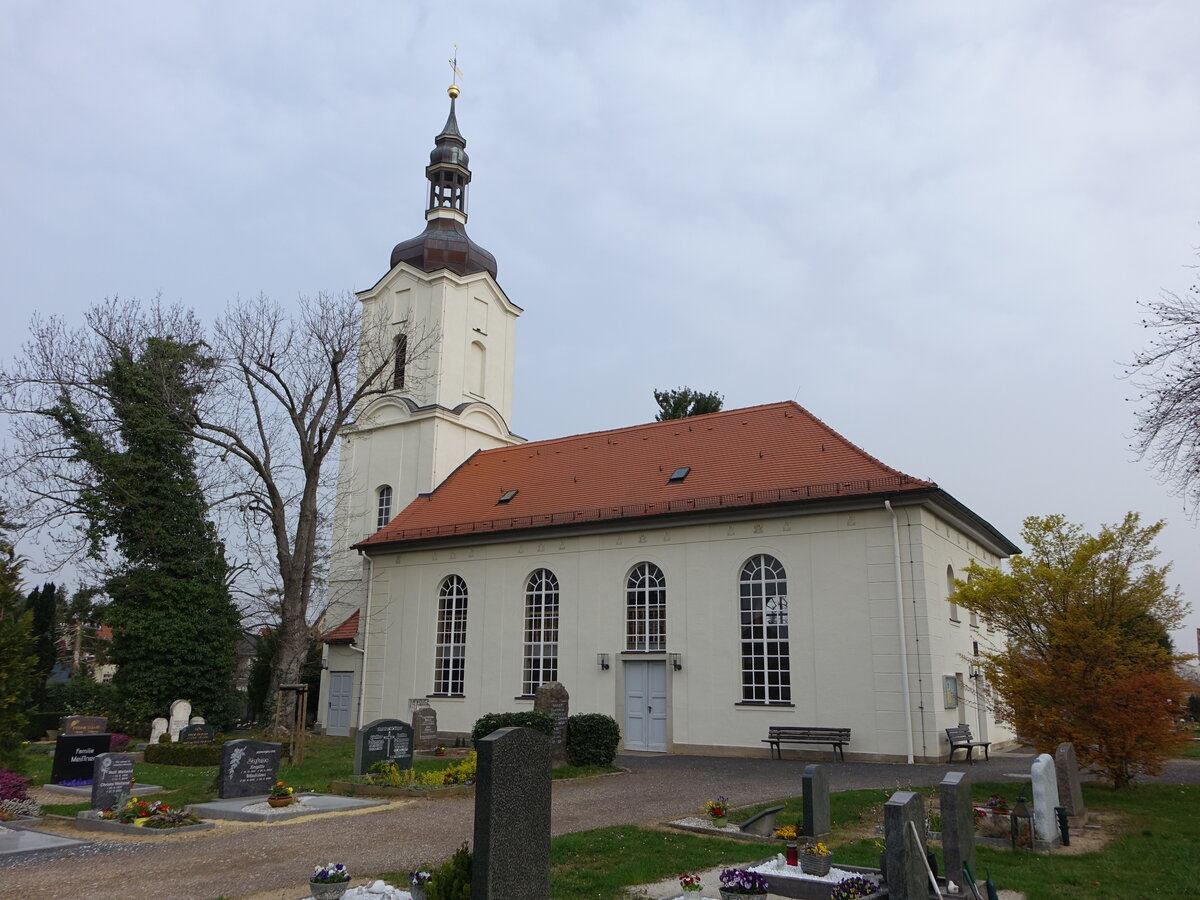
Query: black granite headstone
pixel 83 725
pixel 197 734
pixel 817 820
pixel 74 756
pixel 248 768
pixel 906 875
pixel 384 740
pixel 512 817
pixel 958 823
pixel 112 778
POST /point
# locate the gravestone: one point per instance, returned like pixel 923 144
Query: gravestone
pixel 512 817
pixel 196 720
pixel 762 823
pixel 75 755
pixel 817 822
pixel 384 740
pixel 425 727
pixel 958 824
pixel 248 768
pixel 197 734
pixel 181 711
pixel 112 779
pixel 83 725
pixel 906 875
pixel 1045 799
pixel 157 729
pixel 552 698
pixel 1070 793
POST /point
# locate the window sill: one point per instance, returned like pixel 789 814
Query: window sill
pixel 766 704
pixel 956 621
pixel 525 697
pixel 446 696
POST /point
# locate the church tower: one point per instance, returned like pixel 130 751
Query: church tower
pixel 452 329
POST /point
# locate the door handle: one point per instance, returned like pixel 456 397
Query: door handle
pixel 649 709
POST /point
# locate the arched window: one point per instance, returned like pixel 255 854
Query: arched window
pixel 451 637
pixel 541 631
pixel 401 351
pixel 477 369
pixel 950 592
pixel 766 653
pixel 383 509
pixel 646 608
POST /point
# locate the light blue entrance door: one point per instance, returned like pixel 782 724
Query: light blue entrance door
pixel 341 684
pixel 646 705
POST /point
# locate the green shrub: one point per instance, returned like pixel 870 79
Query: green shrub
pixel 452 879
pixel 486 724
pixel 592 739
pixel 185 754
pixel 40 723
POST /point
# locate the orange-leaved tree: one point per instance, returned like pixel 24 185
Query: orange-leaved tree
pixel 1088 658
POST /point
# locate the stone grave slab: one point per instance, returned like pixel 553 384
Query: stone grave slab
pixel 906 875
pixel 383 740
pixel 425 727
pixel 958 824
pixel 112 780
pixel 817 819
pixel 197 734
pixel 248 768
pixel 1045 799
pixel 238 810
pixel 18 844
pixel 552 699
pixel 762 823
pixel 512 817
pixel 75 754
pixel 83 725
pixel 1070 791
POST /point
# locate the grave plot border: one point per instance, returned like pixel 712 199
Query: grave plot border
pixel 85 822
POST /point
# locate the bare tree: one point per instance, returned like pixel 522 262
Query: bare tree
pixel 1167 374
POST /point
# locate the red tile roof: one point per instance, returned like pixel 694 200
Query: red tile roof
pixel 344 633
pixel 762 455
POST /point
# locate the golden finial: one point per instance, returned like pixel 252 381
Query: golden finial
pixel 455 74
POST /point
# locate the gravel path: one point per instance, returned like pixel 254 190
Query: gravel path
pixel 271 860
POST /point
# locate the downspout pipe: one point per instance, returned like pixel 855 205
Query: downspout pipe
pixel 366 622
pixel 908 729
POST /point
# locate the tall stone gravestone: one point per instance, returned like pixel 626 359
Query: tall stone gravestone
pixel 157 729
pixel 552 699
pixel 112 779
pixel 248 768
pixel 75 755
pixel 83 725
pixel 817 822
pixel 425 727
pixel 905 855
pixel 1045 799
pixel 181 711
pixel 384 740
pixel 958 824
pixel 1070 793
pixel 512 817
pixel 197 734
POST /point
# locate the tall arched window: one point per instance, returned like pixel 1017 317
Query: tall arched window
pixel 541 631
pixel 646 608
pixel 451 637
pixel 383 509
pixel 766 653
pixel 950 591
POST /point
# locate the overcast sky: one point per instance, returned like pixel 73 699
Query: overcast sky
pixel 928 223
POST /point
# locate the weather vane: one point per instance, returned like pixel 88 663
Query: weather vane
pixel 455 73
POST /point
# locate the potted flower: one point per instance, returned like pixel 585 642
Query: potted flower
pixel 417 882
pixel 853 888
pixel 718 811
pixel 742 882
pixel 690 882
pixel 439 750
pixel 136 812
pixel 328 882
pixel 281 795
pixel 816 858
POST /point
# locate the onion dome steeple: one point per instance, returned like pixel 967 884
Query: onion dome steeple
pixel 444 243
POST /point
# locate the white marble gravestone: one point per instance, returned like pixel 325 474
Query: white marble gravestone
pixel 197 720
pixel 181 711
pixel 157 729
pixel 1045 799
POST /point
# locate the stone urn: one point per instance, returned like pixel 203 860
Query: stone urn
pixel 325 890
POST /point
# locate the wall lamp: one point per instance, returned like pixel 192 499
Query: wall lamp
pixel 602 661
pixel 676 661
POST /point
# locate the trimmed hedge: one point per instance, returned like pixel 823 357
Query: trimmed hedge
pixel 486 724
pixel 185 754
pixel 592 739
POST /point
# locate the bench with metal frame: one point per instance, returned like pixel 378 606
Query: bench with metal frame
pixel 805 734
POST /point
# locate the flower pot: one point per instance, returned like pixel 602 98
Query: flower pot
pixel 816 865
pixel 277 802
pixel 326 890
pixel 734 895
pixel 719 821
pixel 417 891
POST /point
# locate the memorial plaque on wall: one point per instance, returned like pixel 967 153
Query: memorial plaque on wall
pixel 112 779
pixel 197 734
pixel 83 725
pixel 75 755
pixel 425 729
pixel 384 740
pixel 248 768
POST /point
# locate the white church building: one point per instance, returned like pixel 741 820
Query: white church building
pixel 698 579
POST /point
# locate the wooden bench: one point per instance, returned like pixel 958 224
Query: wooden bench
pixel 960 739
pixel 803 734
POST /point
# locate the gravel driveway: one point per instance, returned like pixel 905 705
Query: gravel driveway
pixel 237 859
